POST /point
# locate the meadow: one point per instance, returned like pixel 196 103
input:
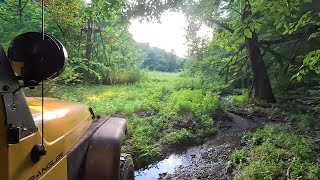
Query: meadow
pixel 163 110
pixel 166 111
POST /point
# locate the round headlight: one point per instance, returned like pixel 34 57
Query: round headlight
pixel 34 59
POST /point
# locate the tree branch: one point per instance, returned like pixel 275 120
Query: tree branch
pixel 277 55
pixel 234 55
pixel 236 11
pixel 25 4
pixel 220 24
pixel 282 40
pixel 230 7
pixel 289 168
pixel 293 56
pixel 60 29
pixel 289 37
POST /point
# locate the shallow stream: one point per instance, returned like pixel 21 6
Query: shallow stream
pixel 213 150
pixel 210 154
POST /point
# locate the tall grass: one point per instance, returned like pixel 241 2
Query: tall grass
pixel 162 109
pixel 274 152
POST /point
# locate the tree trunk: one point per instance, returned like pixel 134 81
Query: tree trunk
pixel 89 49
pixel 261 82
pixel 227 75
pixel 89 40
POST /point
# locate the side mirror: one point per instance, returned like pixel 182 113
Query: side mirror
pixel 34 59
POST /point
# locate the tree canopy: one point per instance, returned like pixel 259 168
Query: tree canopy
pixel 159 60
pixel 261 44
pixel 276 39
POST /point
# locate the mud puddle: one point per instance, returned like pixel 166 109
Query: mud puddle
pixel 211 150
pixel 167 165
pixel 200 162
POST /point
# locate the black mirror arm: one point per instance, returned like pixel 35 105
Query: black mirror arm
pixel 30 84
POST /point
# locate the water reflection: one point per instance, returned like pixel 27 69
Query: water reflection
pixel 165 166
pixel 196 154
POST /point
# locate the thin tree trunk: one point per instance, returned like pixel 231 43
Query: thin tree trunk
pixel 227 75
pixel 261 82
pixel 89 40
pixel 89 48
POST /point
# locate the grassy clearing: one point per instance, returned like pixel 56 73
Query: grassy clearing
pixel 275 153
pixel 162 110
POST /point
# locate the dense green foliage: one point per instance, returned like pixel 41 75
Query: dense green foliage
pixel 159 60
pixel 275 153
pixel 249 46
pixel 96 36
pixel 101 49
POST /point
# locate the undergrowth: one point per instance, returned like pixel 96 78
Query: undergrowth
pixel 274 152
pixel 301 109
pixel 162 110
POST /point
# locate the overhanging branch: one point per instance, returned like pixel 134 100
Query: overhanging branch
pixel 220 24
pixel 289 37
pixel 233 56
pixel 276 54
pixel 282 40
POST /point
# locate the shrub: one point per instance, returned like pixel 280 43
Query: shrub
pixel 193 110
pixel 177 137
pixel 240 99
pixel 124 76
pixel 188 83
pixel 305 120
pixel 69 76
pixel 195 102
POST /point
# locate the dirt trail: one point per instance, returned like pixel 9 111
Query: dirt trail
pixel 206 161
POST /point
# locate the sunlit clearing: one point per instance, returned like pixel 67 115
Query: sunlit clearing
pixel 168 35
pixel 105 95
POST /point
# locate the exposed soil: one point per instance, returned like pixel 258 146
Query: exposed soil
pixel 206 161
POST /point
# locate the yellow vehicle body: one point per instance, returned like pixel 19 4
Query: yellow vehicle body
pixel 64 124
pixel 75 144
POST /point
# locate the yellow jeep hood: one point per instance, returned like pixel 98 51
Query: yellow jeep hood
pixel 68 120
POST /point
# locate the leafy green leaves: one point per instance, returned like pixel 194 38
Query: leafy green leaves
pixel 310 63
pixel 247 33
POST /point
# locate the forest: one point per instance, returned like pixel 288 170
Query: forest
pixel 262 63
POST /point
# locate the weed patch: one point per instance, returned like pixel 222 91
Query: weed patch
pixel 275 153
pixel 162 111
pixel 182 136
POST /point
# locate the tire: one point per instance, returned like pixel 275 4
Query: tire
pixel 126 167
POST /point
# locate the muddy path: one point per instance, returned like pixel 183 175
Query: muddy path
pixel 206 161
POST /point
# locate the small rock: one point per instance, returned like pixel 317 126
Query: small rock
pixel 204 155
pixel 148 113
pixel 162 175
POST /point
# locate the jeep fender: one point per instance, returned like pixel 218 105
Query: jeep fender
pixel 103 158
pixel 97 155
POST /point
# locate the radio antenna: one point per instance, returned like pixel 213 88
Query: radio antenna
pixel 39 150
pixel 42 85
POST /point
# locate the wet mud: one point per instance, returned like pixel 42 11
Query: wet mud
pixel 206 161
